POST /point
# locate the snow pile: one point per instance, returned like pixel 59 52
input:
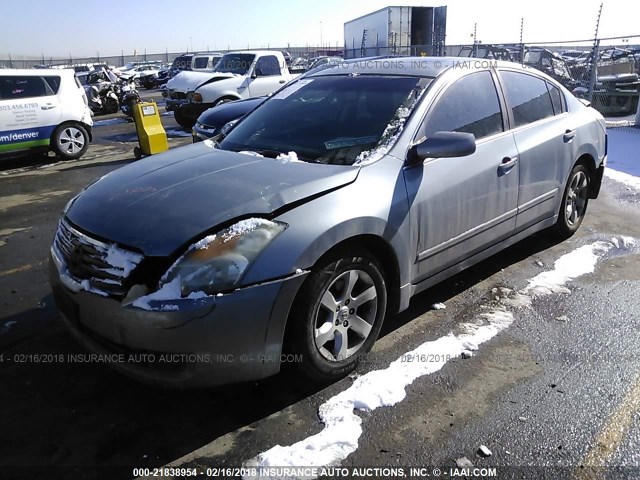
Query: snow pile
pixel 253 154
pixel 246 226
pixel 383 388
pixel 288 157
pixel 568 267
pixel 172 290
pixel 169 291
pixel 204 243
pixel 122 259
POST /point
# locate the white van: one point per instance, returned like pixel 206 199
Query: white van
pixel 43 110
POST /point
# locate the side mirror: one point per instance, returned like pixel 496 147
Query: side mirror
pixel 257 73
pixel 442 145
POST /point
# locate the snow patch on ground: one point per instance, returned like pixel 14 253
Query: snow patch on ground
pixel 623 159
pixel 387 387
pixel 379 388
pixel 629 180
pixel 568 267
pixel 438 306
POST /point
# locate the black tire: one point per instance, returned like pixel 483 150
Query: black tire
pixel 137 153
pixel 573 205
pixel 183 120
pixel 111 105
pixel 309 310
pixel 70 141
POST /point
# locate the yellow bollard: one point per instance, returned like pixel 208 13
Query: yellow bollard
pixel 151 135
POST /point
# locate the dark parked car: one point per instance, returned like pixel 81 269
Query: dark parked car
pixel 320 213
pixel 210 123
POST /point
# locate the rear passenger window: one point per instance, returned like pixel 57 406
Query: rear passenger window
pixel 556 99
pixel 528 97
pixel 12 87
pixel 53 82
pixel 200 62
pixel 470 105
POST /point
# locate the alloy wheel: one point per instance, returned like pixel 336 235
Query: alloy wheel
pixel 346 315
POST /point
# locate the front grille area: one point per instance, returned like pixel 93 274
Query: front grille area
pixel 97 266
pixel 177 95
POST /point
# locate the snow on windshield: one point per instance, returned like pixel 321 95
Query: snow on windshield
pixel 395 127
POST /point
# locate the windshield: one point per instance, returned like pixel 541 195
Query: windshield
pixel 532 56
pixel 331 119
pixel 237 63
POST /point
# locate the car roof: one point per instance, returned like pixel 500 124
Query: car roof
pixel 256 52
pixel 405 66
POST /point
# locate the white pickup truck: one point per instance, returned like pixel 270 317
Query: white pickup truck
pixel 238 75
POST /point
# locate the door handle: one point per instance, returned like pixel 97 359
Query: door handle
pixel 48 106
pixel 508 162
pixel 568 135
pixel 281 81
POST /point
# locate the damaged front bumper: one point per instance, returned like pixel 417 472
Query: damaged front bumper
pixel 205 342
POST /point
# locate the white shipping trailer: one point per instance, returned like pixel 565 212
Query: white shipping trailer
pixel 397 31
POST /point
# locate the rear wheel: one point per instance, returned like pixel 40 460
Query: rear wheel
pixel 70 141
pixel 337 315
pixel 574 203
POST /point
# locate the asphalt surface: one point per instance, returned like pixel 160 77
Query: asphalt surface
pixel 558 389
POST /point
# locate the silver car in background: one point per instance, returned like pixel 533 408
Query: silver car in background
pixel 321 212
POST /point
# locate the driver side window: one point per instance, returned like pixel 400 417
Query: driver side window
pixel 470 105
pixel 267 66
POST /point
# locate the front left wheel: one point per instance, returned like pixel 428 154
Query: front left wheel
pixel 337 315
pixel 70 141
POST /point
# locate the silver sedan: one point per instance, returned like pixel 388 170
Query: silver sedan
pixel 321 212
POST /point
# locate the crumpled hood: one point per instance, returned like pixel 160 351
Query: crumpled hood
pixel 161 203
pixel 188 81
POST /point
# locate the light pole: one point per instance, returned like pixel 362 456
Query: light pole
pixel 320 34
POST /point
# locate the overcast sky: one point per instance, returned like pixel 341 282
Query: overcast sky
pixel 80 28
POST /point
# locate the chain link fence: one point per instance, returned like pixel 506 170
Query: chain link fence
pixel 605 72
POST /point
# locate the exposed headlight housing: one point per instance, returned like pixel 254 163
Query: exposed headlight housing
pixel 217 263
pixel 228 126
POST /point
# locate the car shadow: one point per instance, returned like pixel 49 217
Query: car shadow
pixel 58 412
